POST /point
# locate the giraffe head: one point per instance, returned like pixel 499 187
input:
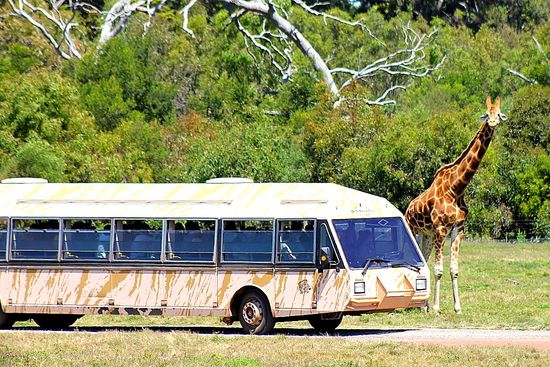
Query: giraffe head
pixel 493 115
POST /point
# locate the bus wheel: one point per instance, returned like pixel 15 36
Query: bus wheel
pixel 55 321
pixel 255 315
pixel 324 326
pixel 6 321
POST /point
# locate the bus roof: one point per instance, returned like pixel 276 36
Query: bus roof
pixel 231 200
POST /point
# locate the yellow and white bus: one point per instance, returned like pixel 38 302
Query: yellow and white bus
pixel 253 252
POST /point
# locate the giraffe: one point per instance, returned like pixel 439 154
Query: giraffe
pixel 441 210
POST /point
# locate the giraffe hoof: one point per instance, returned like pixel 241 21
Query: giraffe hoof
pixel 458 311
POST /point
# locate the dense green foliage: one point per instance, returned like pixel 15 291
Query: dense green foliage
pixel 166 107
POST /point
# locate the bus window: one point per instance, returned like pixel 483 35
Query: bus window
pixel 247 240
pixel 376 238
pixel 296 241
pixel 138 239
pixel 35 239
pixel 86 239
pixel 3 238
pixel 191 240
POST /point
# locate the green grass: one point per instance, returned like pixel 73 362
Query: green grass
pixel 150 348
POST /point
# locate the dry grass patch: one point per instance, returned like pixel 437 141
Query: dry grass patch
pixel 150 348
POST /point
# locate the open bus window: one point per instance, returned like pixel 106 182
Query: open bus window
pixel 191 240
pixel 3 238
pixel 138 239
pixel 86 239
pixel 247 240
pixel 36 239
pixel 296 241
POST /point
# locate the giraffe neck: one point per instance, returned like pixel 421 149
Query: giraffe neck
pixel 464 168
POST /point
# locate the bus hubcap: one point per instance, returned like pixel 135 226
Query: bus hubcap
pixel 252 312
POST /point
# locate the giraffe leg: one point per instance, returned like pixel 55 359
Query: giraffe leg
pixel 454 266
pixel 438 241
pixel 425 243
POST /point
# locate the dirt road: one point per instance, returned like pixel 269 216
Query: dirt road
pixel 524 338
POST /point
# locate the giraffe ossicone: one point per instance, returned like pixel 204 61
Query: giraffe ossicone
pixel 441 209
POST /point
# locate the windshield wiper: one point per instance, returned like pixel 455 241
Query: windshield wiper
pixel 405 265
pixel 374 259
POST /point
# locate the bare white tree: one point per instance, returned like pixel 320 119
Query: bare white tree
pixel 54 19
pixel 276 39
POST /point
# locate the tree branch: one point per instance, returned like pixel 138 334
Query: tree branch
pixel 50 20
pixel 265 36
pixel 521 76
pixel 539 47
pixel 310 9
pixel 185 12
pixel 409 62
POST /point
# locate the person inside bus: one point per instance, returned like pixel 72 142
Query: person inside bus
pixel 285 251
pixel 104 238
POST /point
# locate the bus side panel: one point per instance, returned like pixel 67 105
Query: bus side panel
pixel 30 286
pixel 137 288
pixel 231 281
pixel 333 289
pixel 294 291
pixel 191 288
pixel 90 287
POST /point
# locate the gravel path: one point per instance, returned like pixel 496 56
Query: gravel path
pixel 537 339
pixel 525 338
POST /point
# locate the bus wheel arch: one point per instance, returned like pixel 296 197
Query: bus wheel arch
pixel 55 321
pixel 251 307
pixel 323 324
pixel 6 320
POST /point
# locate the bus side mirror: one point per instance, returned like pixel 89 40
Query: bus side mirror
pixel 325 258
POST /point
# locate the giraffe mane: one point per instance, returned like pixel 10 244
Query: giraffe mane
pixel 464 152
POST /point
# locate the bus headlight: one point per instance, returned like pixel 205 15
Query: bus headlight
pixel 359 287
pixel 421 284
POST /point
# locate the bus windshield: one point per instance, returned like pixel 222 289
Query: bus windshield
pixel 380 241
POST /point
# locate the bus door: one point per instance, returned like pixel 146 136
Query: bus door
pixel 295 272
pixel 332 285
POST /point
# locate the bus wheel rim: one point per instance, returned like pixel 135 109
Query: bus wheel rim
pixel 252 312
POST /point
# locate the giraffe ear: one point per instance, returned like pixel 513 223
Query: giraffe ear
pixel 488 102
pixel 497 103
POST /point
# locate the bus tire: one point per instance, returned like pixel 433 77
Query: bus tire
pixel 6 321
pixel 55 321
pixel 255 314
pixel 324 326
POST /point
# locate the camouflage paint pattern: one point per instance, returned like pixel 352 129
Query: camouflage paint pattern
pixel 179 292
pixel 171 290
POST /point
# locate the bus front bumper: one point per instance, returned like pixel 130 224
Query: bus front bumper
pixel 388 302
pixel 388 295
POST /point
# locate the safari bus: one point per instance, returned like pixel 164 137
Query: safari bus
pixel 256 253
